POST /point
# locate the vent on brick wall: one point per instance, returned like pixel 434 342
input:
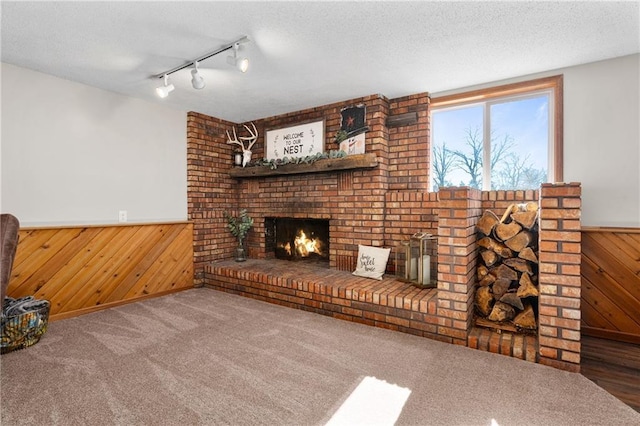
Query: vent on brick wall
pixel 401 120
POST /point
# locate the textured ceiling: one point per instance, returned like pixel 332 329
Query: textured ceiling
pixel 305 54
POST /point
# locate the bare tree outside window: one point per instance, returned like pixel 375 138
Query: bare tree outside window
pixel 518 173
pixel 443 163
pixel 470 160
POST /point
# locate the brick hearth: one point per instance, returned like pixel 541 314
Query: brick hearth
pixel 379 206
pixel 390 303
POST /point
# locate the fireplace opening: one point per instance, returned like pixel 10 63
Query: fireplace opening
pixel 298 239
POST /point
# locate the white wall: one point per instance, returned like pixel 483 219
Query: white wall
pixel 74 154
pixel 601 137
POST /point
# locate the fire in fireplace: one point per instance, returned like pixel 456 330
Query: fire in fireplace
pixel 298 239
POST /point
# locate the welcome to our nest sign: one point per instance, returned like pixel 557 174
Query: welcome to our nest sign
pixel 297 141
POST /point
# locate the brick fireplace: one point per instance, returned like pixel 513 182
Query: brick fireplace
pixel 381 206
pixel 357 202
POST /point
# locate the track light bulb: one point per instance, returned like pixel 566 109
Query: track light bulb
pixel 241 63
pixel 196 79
pixel 164 90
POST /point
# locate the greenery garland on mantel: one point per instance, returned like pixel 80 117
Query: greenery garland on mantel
pixel 309 159
pixel 297 166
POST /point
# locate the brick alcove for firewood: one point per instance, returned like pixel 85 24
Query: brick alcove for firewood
pixel 506 297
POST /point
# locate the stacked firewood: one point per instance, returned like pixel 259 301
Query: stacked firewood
pixel 507 292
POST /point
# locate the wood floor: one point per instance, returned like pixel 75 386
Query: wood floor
pixel 614 366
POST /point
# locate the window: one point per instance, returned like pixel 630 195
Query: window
pixel 507 137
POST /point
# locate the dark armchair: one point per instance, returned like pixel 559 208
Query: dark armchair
pixel 9 227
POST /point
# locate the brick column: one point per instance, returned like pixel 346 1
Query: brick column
pixel 559 278
pixel 210 190
pixel 459 210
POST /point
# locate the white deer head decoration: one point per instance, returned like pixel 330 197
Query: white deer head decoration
pixel 246 152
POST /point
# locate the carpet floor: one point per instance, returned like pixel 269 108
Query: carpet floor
pixel 203 357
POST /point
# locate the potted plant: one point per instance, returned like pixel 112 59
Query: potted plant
pixel 239 227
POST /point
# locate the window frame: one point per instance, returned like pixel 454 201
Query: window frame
pixel 493 95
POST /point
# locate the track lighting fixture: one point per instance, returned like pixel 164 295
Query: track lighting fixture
pixel 164 90
pixel 241 63
pixel 196 79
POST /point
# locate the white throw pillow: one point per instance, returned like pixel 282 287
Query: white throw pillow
pixel 371 262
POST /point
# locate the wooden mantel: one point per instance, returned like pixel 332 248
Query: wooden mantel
pixel 358 161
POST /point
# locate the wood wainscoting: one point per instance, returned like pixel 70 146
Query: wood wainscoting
pixel 86 268
pixel 611 283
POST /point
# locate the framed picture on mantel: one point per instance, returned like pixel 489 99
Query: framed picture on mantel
pixel 300 140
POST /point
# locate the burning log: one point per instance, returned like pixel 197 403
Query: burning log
pixel 507 268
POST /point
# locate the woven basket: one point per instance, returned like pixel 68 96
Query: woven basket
pixel 21 331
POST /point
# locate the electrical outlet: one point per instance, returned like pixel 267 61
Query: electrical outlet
pixel 122 216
